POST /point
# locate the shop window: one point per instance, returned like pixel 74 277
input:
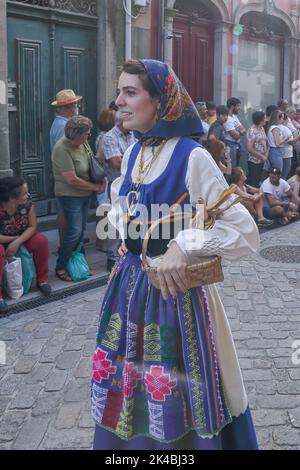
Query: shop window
pixel 258 76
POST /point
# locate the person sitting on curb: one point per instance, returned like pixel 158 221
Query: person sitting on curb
pixel 18 226
pixel 217 149
pixel 252 197
pixel 279 199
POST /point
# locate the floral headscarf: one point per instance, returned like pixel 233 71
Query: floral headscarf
pixel 178 114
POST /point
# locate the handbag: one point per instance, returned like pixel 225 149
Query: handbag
pixel 96 170
pixel 28 267
pixel 77 265
pixel 13 277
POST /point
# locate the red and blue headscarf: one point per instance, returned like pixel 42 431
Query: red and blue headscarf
pixel 178 114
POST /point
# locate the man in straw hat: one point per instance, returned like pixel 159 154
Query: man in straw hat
pixel 66 106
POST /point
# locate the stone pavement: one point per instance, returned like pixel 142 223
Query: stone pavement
pixel 44 386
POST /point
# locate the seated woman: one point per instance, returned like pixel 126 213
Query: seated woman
pixel 217 149
pixel 18 226
pixel 252 197
pixel 73 187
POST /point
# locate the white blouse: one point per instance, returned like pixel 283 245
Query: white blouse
pixel 233 235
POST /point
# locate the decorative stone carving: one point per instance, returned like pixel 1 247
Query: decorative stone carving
pixel 294 7
pixel 86 7
pixel 269 7
pixel 264 33
pixel 194 8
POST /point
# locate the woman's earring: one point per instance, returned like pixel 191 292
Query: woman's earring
pixel 158 113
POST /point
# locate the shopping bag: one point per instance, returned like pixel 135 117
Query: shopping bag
pixel 77 265
pixel 28 268
pixel 13 277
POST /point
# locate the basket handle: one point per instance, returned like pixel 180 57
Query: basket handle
pixel 168 218
pixel 212 211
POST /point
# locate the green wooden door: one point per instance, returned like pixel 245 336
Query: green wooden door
pixel 76 66
pixel 43 58
pixel 28 73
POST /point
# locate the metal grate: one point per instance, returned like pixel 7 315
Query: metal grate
pixel 282 253
pixel 61 294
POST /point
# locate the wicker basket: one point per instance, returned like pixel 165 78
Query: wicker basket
pixel 209 269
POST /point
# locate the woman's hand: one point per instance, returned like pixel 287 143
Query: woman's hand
pixel 122 250
pixel 12 248
pixel 172 272
pixel 100 187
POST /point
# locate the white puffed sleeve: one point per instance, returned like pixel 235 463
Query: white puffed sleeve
pixel 234 234
pixel 116 214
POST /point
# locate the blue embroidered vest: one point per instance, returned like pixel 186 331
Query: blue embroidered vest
pixel 168 188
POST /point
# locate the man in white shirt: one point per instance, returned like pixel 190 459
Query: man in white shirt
pixel 233 130
pixel 279 200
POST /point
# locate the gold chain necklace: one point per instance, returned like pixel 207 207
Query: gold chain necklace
pixel 144 170
pixel 132 197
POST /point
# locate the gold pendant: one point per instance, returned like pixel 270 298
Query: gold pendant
pixel 132 200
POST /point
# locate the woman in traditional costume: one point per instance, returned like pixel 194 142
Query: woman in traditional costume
pixel 165 369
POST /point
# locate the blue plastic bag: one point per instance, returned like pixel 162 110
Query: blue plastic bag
pixel 77 265
pixel 28 268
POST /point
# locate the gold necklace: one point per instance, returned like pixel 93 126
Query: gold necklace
pixel 144 170
pixel 132 197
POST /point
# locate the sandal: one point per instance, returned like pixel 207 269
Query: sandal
pixel 63 275
pixel 291 215
pixel 283 221
pixel 265 223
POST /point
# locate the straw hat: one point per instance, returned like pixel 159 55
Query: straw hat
pixel 65 97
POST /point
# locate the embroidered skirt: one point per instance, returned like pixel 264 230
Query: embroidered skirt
pixel 155 369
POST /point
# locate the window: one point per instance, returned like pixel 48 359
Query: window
pixel 258 76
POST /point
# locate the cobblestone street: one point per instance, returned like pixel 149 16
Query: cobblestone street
pixel 44 386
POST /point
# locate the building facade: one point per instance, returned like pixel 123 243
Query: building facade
pixel 48 45
pixel 219 48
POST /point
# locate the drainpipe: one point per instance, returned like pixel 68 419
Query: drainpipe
pixel 4 130
pixel 160 30
pixel 128 30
